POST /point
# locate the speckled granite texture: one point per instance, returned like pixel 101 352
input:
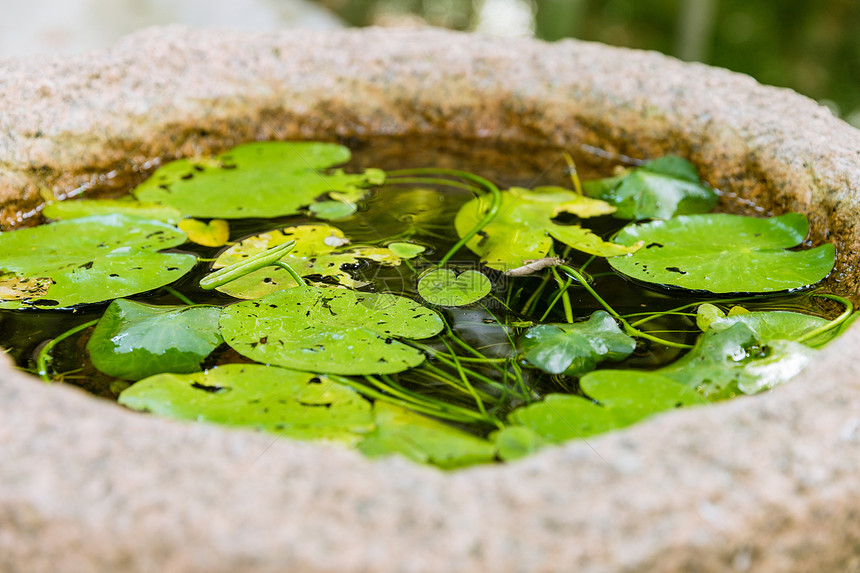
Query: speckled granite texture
pixel 769 484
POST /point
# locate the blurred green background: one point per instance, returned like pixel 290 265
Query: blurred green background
pixel 812 47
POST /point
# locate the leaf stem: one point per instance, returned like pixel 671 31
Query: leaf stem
pixel 244 267
pixel 44 356
pixel 296 277
pixel 179 295
pixel 849 310
pixel 465 379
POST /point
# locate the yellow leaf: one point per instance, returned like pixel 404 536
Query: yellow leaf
pixel 213 234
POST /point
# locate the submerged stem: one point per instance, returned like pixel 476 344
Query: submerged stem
pixel 488 216
pixel 849 310
pixel 44 356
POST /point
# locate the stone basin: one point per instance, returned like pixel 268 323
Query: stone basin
pixel 768 483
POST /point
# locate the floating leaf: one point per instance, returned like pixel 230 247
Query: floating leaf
pixel 331 210
pixel 562 417
pixel 659 189
pixel 265 180
pixel 723 253
pixel 89 207
pixel 330 330
pixel 523 230
pixel 624 396
pixel 774 324
pixel 316 254
pixel 515 442
pixel 300 405
pixel 406 250
pixel 633 395
pixel 574 349
pixel 134 340
pixel 444 288
pixel 707 314
pixel 215 233
pixel 87 260
pixel 736 360
pixel 422 439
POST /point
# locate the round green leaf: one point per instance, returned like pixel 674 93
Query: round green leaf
pixel 406 250
pixel 515 442
pixel 295 404
pixel 562 417
pixel 422 439
pixel 76 208
pixel 774 324
pixel 523 230
pixel 576 348
pixel 623 396
pixel 444 288
pixel 330 210
pixel 134 340
pixel 330 330
pixel 723 253
pixel 632 395
pixel 265 180
pixel 87 260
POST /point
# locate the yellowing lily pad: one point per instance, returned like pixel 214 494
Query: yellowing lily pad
pixel 320 251
pixel 524 228
pixel 215 233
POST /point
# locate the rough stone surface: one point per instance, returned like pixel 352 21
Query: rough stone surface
pixel 758 484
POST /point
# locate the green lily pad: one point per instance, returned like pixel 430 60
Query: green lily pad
pixel 515 442
pixel 562 417
pixel 88 260
pixel 320 251
pixel 77 208
pixel 775 324
pixel 299 405
pixel 330 330
pixel 264 180
pixel 444 288
pixel 723 253
pixel 331 210
pixel 133 340
pixel 574 349
pixel 624 396
pixel 406 250
pixel 633 395
pixel 422 439
pixel 659 189
pixel 735 360
pixel 524 228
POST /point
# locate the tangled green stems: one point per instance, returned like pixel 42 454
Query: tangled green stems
pixel 628 328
